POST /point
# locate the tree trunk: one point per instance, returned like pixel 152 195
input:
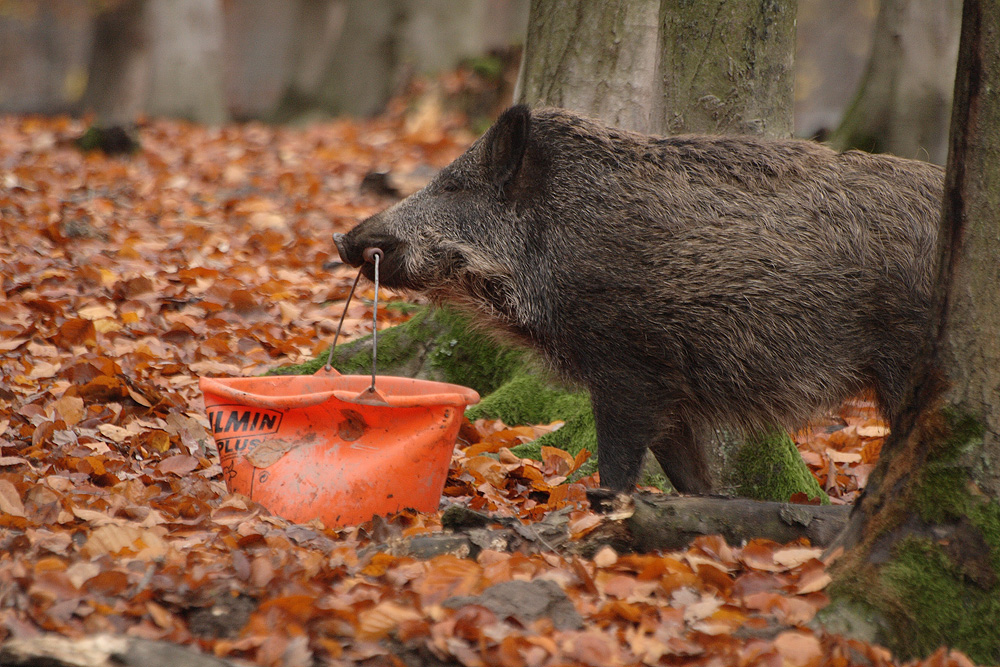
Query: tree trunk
pixel 318 28
pixel 667 67
pixel 385 42
pixel 118 76
pixel 923 545
pixel 833 48
pixel 257 48
pixel 44 46
pixel 186 76
pixel 904 102
pixel 599 58
pixel 360 76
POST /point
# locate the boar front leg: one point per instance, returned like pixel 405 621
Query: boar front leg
pixel 627 423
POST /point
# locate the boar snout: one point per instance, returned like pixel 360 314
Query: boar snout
pixel 338 240
pixel 357 254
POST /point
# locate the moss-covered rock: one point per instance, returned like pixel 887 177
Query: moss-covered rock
pixel 114 140
pixel 769 467
pixel 439 344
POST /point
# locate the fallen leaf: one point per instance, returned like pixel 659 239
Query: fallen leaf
pixel 798 649
pixel 10 499
pixel 179 464
pixel 791 557
pixel 377 622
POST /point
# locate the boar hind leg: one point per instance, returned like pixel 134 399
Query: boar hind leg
pixel 626 426
pixel 681 454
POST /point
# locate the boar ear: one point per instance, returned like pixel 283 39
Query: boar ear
pixel 504 144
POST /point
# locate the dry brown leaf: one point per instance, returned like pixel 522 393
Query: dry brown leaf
pixel 10 499
pixel 377 622
pixel 605 557
pixel 96 312
pixel 93 516
pixel 873 431
pixel 114 433
pixel 70 409
pixel 179 464
pixel 843 457
pixel 791 557
pixel 110 539
pixel 799 649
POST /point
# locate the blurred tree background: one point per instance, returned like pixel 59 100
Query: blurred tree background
pixel 872 74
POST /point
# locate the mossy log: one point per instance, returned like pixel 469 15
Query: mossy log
pixel 439 344
pixel 647 522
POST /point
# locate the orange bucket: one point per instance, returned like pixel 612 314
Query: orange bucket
pixel 326 447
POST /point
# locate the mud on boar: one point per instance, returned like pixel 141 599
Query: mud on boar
pixel 687 282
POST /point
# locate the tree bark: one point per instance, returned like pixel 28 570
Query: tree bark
pixel 318 28
pixel 360 76
pixel 118 75
pixel 44 47
pixel 385 42
pixel 186 60
pixel 667 67
pixel 923 544
pixel 599 58
pixel 904 101
pixel 833 49
pixel 257 55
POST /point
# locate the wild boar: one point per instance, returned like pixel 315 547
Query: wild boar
pixel 686 282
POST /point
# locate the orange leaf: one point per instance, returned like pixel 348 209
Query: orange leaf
pixel 10 499
pixel 446 577
pixel 799 649
pixel 383 618
pixel 179 464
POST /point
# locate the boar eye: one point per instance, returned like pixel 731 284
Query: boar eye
pixel 451 186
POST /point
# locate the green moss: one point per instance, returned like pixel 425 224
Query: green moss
pixel 528 398
pixel 936 605
pixel 115 140
pixel 488 67
pixel 769 467
pixel 943 493
pixel 434 344
pixel 963 434
pixel 986 518
pixel 469 357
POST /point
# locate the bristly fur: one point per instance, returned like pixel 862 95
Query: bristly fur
pixel 686 281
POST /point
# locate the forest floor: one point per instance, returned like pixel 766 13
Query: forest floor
pixel 209 253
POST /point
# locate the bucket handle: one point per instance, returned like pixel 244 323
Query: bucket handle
pixel 371 395
pixel 328 366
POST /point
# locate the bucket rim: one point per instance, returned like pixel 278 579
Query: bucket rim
pixel 449 395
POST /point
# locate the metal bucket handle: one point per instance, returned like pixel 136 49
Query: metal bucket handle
pixel 370 396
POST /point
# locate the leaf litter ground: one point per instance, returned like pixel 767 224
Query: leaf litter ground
pixel 126 279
